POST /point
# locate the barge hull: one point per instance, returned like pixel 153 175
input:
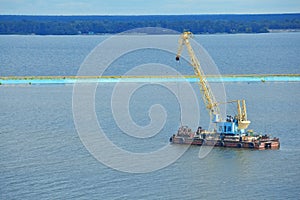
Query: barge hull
pixel 260 145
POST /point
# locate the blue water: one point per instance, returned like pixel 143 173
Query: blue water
pixel 42 156
pixel 62 55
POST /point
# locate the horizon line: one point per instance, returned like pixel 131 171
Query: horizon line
pixel 70 15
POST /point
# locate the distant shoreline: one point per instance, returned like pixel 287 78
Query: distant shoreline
pixel 139 34
pixel 284 30
pixel 99 25
pixel 273 31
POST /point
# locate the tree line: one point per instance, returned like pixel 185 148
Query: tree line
pixel 198 24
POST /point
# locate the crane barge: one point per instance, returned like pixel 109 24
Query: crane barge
pixel 229 132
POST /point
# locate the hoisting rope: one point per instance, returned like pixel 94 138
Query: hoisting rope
pixel 178 91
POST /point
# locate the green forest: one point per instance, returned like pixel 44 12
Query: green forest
pixel 198 24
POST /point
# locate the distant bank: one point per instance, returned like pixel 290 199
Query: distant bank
pixel 198 24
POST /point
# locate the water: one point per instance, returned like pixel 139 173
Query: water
pixel 42 156
pixel 62 55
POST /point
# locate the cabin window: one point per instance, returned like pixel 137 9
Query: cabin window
pixel 229 128
pixel 225 129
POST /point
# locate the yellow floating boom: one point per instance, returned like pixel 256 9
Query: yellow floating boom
pixel 6 80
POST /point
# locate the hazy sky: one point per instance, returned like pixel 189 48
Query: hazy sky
pixel 126 7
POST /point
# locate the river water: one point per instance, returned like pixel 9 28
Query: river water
pixel 43 155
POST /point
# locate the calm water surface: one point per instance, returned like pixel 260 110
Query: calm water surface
pixel 42 156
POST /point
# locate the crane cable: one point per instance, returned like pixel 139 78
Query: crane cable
pixel 178 91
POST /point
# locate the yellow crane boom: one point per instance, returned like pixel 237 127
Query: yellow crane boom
pixel 207 95
pixel 209 99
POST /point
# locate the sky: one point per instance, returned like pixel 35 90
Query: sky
pixel 146 7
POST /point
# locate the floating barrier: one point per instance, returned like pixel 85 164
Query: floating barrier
pixel 16 80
